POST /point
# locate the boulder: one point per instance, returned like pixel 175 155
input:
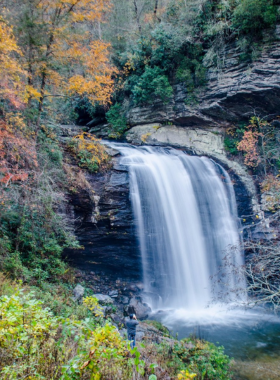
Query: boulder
pixel 78 292
pixel 113 293
pixel 124 300
pixel 136 306
pixel 104 299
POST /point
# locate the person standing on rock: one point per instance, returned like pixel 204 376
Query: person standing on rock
pixel 131 325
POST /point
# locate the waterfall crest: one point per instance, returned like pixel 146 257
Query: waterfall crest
pixel 185 213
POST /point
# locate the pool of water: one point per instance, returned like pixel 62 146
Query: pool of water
pixel 251 337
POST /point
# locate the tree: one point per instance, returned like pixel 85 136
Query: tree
pixel 11 72
pixel 63 54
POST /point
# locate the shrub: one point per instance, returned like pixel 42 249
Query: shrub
pixel 204 359
pixel 117 120
pixel 35 344
pixel 152 84
pixel 254 15
pixel 90 153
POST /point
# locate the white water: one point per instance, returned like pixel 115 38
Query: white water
pixel 185 213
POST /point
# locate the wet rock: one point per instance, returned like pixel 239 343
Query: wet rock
pixel 114 293
pixel 124 300
pixel 140 286
pixel 116 318
pixel 78 292
pixel 136 306
pixel 103 219
pixel 104 299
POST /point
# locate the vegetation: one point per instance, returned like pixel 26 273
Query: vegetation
pixel 35 343
pixel 55 58
pixel 90 153
pixel 117 121
pixel 166 42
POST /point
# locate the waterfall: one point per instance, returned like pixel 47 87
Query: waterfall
pixel 186 218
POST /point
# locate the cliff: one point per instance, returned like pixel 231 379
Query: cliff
pixel 232 93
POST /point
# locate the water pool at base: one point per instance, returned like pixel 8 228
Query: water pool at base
pixel 251 338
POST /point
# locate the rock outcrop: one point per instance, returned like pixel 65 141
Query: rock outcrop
pixel 201 141
pixel 231 94
pixel 104 225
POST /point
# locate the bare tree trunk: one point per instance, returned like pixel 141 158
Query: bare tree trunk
pixel 137 16
pixel 156 9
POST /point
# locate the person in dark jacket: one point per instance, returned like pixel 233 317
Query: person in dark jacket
pixel 131 325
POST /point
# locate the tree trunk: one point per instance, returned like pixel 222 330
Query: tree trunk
pixel 137 16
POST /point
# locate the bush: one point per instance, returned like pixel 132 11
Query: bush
pixel 35 344
pixel 152 84
pixel 33 233
pixel 204 359
pixel 117 120
pixel 89 152
pixel 254 15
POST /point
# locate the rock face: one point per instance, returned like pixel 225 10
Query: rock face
pixel 104 226
pixel 196 140
pixel 201 141
pixel 232 93
pixel 103 217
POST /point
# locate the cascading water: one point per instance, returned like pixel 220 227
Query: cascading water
pixel 186 218
pixel 185 213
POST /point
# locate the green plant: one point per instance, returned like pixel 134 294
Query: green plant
pixel 35 344
pixel 152 84
pixel 152 377
pixel 204 359
pixel 254 15
pixel 118 122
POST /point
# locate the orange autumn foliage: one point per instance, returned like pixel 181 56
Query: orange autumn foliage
pixel 96 81
pixel 71 59
pixel 17 155
pixel 249 145
pixel 11 72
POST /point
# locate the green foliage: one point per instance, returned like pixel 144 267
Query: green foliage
pixel 152 377
pixel 27 339
pixel 189 38
pixel 231 145
pixel 35 344
pixel 152 84
pixel 191 72
pixel 32 233
pixel 232 139
pixel 204 359
pixel 117 120
pixel 254 15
